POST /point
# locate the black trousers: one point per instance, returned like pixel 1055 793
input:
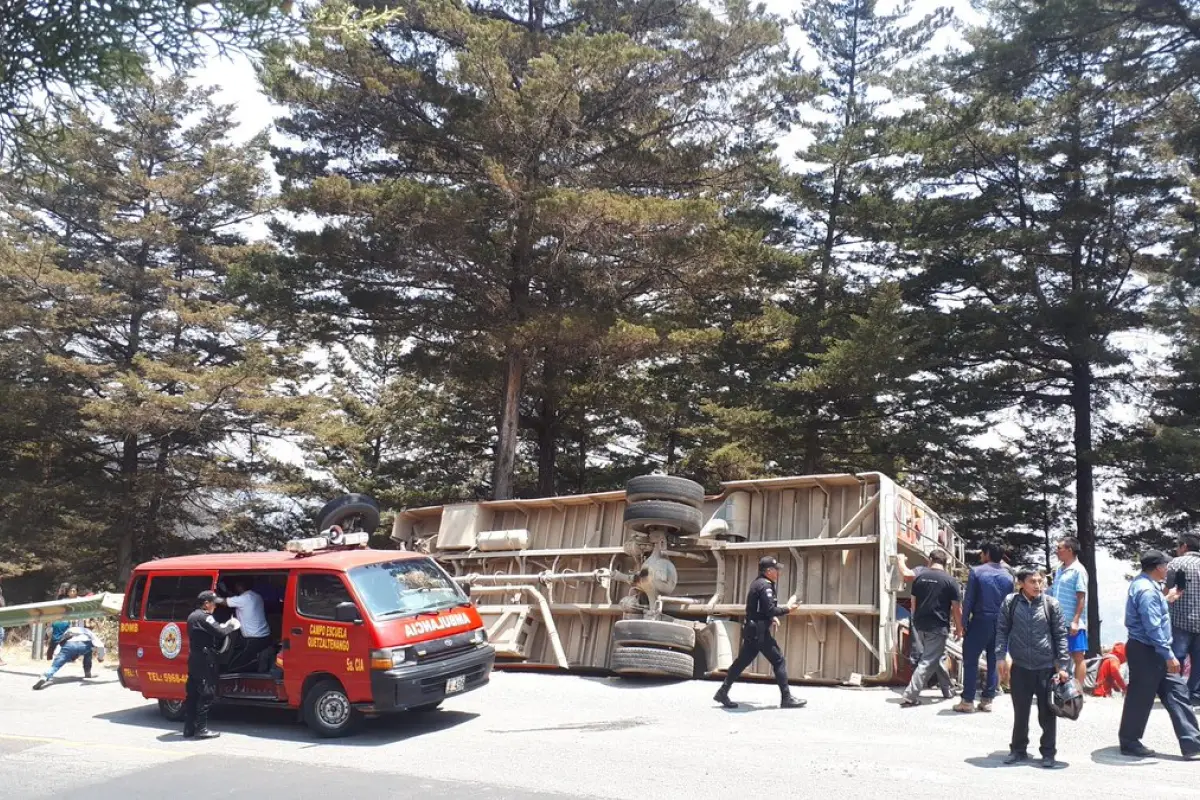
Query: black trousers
pixel 201 691
pixel 1026 685
pixel 247 655
pixel 757 638
pixel 1148 678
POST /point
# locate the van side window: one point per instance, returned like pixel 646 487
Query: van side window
pixel 133 606
pixel 173 597
pixel 318 595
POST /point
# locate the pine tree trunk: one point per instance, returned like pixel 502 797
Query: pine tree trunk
pixel 581 455
pixel 506 444
pixel 1085 516
pixel 548 431
pixel 126 534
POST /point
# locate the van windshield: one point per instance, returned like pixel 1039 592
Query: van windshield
pixel 401 588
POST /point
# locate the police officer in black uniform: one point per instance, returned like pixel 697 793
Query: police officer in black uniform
pixel 204 636
pixel 762 617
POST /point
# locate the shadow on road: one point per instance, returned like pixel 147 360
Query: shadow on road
pixel 995 760
pixel 603 726
pixel 631 682
pixel 282 725
pixel 1112 757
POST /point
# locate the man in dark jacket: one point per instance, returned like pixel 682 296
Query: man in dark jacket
pixel 1033 630
pixel 762 618
pixel 987 587
pixel 203 634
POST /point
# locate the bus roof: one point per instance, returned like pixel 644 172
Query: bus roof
pixel 339 560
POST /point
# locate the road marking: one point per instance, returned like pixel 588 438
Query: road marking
pixel 15 737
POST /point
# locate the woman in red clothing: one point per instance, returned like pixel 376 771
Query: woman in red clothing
pixel 1108 676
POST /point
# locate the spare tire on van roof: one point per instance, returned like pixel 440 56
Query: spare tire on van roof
pixel 350 512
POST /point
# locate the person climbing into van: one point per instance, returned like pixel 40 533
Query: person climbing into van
pixel 76 641
pixel 203 673
pixel 987 586
pixel 247 604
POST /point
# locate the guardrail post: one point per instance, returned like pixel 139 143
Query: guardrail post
pixel 35 646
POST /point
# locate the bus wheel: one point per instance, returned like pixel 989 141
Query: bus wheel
pixel 172 710
pixel 328 711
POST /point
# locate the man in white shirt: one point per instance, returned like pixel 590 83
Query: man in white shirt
pixel 76 641
pixel 247 604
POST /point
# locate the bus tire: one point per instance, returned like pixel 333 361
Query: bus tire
pixel 655 633
pixel 653 662
pixel 684 520
pixel 664 487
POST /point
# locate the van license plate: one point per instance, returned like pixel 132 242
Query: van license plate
pixel 456 684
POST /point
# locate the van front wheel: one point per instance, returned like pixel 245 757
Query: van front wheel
pixel 172 710
pixel 328 710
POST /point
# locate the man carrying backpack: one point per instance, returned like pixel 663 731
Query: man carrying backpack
pixel 1033 630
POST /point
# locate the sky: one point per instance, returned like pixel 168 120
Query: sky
pixel 238 86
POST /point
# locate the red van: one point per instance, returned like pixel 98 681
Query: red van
pixel 354 632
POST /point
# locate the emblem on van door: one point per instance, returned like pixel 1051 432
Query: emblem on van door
pixel 170 641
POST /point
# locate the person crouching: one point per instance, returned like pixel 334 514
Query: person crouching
pixel 1033 630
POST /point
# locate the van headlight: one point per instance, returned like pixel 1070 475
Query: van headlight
pixel 391 658
pixel 479 636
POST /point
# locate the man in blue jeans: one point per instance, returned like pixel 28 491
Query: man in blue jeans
pixel 1183 581
pixel 77 641
pixel 987 586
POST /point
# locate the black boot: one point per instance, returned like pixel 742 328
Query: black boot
pixel 787 701
pixel 722 697
pixel 206 734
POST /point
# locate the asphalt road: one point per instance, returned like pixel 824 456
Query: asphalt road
pixel 543 737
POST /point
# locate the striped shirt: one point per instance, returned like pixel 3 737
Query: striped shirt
pixel 1185 612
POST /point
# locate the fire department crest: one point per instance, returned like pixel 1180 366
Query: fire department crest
pixel 170 641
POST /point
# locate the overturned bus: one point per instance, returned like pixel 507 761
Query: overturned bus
pixel 652 580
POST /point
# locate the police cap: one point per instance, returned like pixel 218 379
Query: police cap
pixel 767 562
pixel 206 597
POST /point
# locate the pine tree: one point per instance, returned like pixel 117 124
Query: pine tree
pixel 504 181
pixel 1045 204
pixel 50 51
pixel 827 361
pixel 174 384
